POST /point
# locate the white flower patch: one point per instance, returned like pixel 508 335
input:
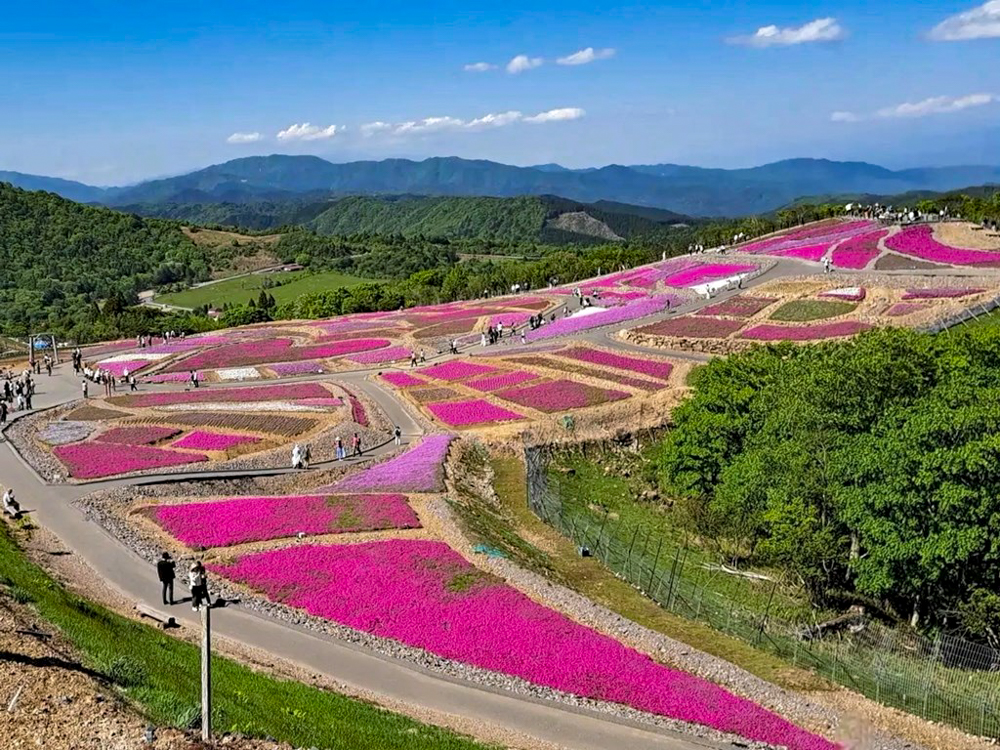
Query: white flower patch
pixel 851 293
pixel 709 288
pixel 238 373
pixel 135 357
pixel 253 406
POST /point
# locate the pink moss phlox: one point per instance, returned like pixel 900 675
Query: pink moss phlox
pixel 919 242
pixel 94 460
pixel 402 379
pixel 847 294
pixel 905 308
pixel 561 395
pixel 501 380
pixel 858 252
pixel 941 293
pixel 474 411
pixel 419 469
pixel 456 370
pixel 118 369
pixel 629 311
pixel 425 595
pixel 656 368
pixel 286 369
pixel 768 332
pixel 213 441
pixel 814 253
pixel 738 307
pixel 709 272
pixel 379 356
pixel 693 326
pixel 170 377
pixel 240 520
pixel 288 392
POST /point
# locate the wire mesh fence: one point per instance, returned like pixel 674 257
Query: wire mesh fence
pixel 947 679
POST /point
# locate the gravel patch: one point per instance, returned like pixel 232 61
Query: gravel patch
pixel 62 433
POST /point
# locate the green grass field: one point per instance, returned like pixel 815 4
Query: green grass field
pixel 803 310
pixel 240 290
pixel 161 675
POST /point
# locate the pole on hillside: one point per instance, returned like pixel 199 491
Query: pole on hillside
pixel 206 672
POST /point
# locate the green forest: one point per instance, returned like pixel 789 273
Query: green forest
pixel 865 469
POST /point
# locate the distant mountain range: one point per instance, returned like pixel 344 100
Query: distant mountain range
pixel 693 191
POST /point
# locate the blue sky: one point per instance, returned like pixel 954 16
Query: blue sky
pixel 109 94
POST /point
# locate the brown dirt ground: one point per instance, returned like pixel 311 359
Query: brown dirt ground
pixel 961 234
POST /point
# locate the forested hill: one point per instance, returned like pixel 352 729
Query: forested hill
pixel 57 257
pixel 545 219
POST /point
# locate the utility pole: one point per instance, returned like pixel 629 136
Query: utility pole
pixel 206 672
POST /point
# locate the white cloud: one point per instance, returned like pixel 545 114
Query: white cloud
pixel 820 30
pixel 479 67
pixel 240 138
pixel 522 63
pixel 935 105
pixel 587 55
pixel 556 115
pixel 308 132
pixel 428 125
pixel 498 120
pixel 372 128
pixel 982 22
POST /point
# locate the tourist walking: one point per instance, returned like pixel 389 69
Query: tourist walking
pixel 341 453
pixel 397 435
pixel 356 445
pixel 85 389
pixel 3 412
pixel 296 456
pixel 198 581
pixel 166 572
pixel 306 455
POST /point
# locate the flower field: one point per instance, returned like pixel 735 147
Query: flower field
pixel 847 293
pixel 554 362
pixel 289 369
pixel 402 379
pixel 655 368
pixel 941 293
pixel 456 370
pixel 501 381
pixel 694 326
pixel 213 441
pixel 97 460
pixel 291 392
pixel 425 595
pixel 239 520
pixel 859 251
pixel 919 242
pixel 814 332
pixel 709 272
pixel 474 411
pixel 140 435
pixel 561 395
pixel 381 356
pixel 265 351
pixel 627 312
pixel 419 469
pixel 738 307
pixel 901 309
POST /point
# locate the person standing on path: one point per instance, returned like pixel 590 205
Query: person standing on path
pixel 3 412
pixel 85 389
pixel 397 435
pixel 198 581
pixel 356 445
pixel 166 572
pixel 341 454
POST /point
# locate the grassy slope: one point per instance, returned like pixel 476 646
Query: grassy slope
pixel 515 530
pixel 239 290
pixel 161 674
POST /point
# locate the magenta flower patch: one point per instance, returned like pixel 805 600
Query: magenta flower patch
pixel 380 356
pixel 94 460
pixel 738 307
pixel 708 272
pixel 420 469
pixel 425 595
pixel 170 377
pixel 118 369
pixel 501 380
pixel 288 369
pixel 239 520
pixel 692 326
pixel 475 411
pixel 905 308
pixel 402 379
pixel 290 392
pixel 768 332
pixel 629 311
pixel 456 370
pixel 806 252
pixel 213 441
pixel 138 435
pixel 560 395
pixel 941 293
pixel 656 368
pixel 264 351
pixel 919 242
pixel 858 252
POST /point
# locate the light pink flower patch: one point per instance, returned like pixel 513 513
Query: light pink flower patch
pixel 170 377
pixel 561 395
pixel 240 520
pixel 941 293
pixel 456 370
pixel 138 435
pixel 656 368
pixel 402 379
pixel 118 369
pixel 768 332
pixel 847 293
pixel 708 272
pixel 380 356
pixel 213 441
pixel 475 411
pixel 630 311
pixel 919 242
pixel 502 380
pixel 288 369
pixel 905 308
pixel 420 469
pixel 425 595
pixel 94 460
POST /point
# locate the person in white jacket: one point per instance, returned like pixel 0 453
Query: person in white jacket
pixel 198 582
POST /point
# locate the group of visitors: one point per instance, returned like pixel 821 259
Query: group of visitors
pixel 166 572
pixel 301 455
pixel 107 380
pixel 17 394
pixel 420 357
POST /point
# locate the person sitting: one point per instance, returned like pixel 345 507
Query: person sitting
pixel 10 505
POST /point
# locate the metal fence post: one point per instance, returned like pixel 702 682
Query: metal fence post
pixel 652 571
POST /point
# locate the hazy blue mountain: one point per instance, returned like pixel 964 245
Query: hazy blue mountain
pixel 692 191
pixel 74 191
